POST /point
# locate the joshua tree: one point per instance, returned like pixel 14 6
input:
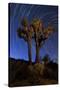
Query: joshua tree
pixel 46 59
pixel 26 34
pixel 40 35
pixel 36 31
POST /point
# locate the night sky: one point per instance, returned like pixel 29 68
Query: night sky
pixel 49 14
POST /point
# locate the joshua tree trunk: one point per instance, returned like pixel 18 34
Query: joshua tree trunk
pixel 29 50
pixel 37 48
pixel 37 54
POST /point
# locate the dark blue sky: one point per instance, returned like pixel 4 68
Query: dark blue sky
pixel 49 14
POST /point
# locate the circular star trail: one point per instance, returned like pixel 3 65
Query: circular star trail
pixel 49 15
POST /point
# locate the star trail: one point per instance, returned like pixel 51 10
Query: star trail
pixel 49 15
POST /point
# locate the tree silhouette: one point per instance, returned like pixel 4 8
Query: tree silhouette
pixel 46 59
pixel 40 35
pixel 26 33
